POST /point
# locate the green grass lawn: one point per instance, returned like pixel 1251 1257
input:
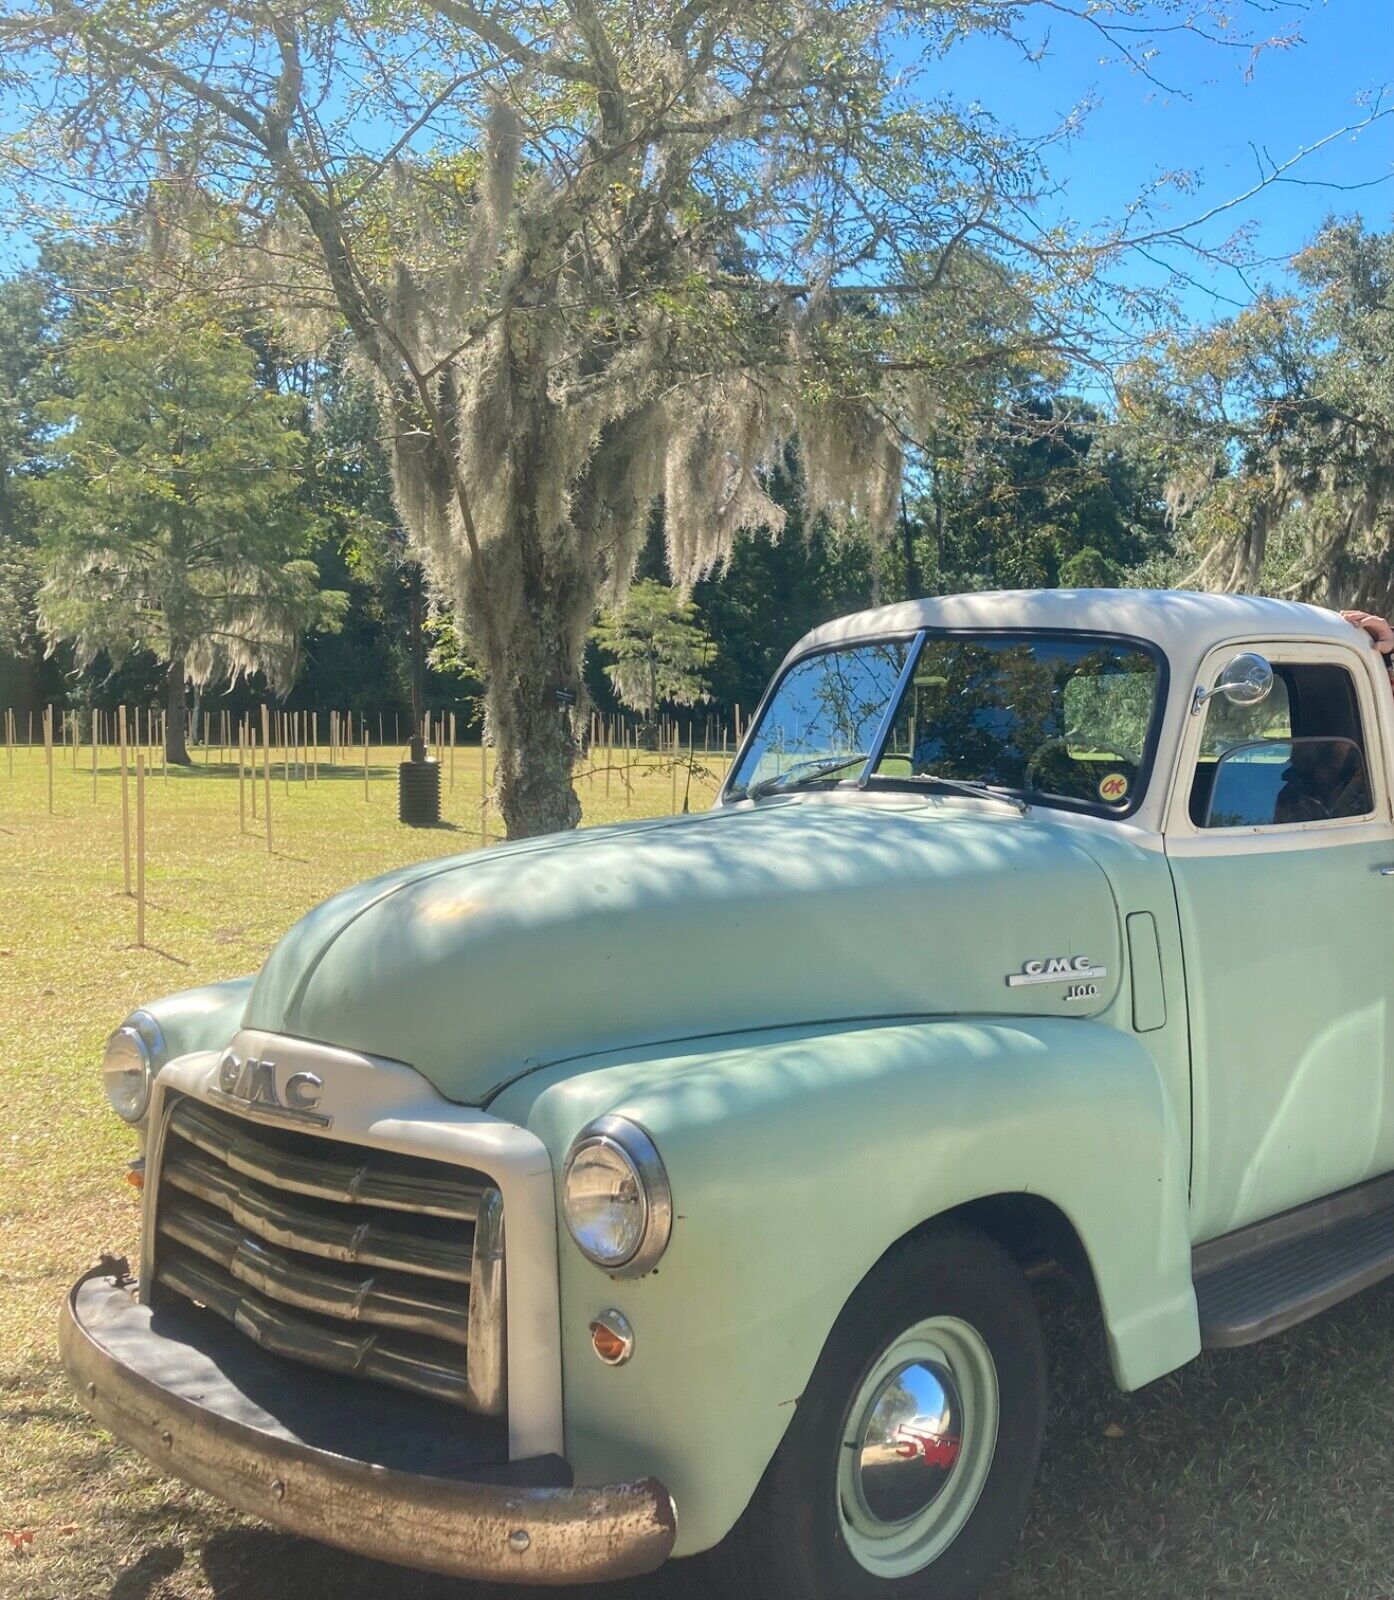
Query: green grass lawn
pixel 1259 1473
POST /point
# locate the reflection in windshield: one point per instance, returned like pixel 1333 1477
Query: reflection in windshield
pixel 824 718
pixel 1065 717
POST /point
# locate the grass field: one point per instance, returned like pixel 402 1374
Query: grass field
pixel 1266 1473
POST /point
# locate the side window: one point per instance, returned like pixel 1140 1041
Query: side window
pixel 1299 757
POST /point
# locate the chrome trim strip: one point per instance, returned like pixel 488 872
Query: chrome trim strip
pixel 883 731
pixel 494 1532
pixel 277 1116
pixel 321 1290
pixel 1023 980
pixel 328 1179
pixel 486 1362
pixel 369 1245
pixel 364 1354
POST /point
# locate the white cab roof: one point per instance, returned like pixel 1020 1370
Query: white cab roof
pixel 1186 625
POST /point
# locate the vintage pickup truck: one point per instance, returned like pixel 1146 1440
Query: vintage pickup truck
pixel 546 1212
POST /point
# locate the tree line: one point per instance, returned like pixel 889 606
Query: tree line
pixel 190 513
pixel 189 507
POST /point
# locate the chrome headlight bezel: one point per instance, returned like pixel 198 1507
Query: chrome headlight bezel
pixel 631 1146
pixel 141 1041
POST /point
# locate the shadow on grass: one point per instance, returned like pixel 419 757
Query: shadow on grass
pixel 142 1579
pixel 275 1566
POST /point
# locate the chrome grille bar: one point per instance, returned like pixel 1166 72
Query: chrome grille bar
pixel 331 1294
pixel 341 1256
pixel 303 1340
pixel 370 1244
pixel 371 1182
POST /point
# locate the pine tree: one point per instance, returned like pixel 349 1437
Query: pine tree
pixel 170 521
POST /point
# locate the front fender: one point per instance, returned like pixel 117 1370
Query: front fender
pixel 796 1159
pixel 201 1019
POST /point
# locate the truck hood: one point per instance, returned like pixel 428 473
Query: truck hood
pixel 477 968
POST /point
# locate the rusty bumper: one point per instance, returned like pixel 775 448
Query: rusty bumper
pixel 195 1427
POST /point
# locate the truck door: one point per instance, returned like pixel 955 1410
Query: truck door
pixel 1282 856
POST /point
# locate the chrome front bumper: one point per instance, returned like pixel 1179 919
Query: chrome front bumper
pixel 165 1385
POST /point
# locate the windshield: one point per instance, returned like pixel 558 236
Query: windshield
pixel 824 718
pixel 1061 719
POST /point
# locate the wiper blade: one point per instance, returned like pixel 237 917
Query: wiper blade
pixel 980 791
pixel 811 771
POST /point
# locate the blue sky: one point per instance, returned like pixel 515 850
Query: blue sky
pixel 1292 99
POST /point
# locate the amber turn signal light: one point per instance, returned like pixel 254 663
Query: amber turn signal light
pixel 135 1174
pixel 612 1338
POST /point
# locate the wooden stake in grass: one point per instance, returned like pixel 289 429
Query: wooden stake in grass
pixel 94 758
pixel 266 770
pixel 242 779
pixel 452 752
pixel 252 765
pixel 125 797
pixel 48 753
pixel 483 789
pixel 365 759
pixel 140 849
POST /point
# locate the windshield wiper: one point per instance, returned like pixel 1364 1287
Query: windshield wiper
pixel 811 771
pixel 980 791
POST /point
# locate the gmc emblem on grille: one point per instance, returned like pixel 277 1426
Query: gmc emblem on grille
pixel 253 1082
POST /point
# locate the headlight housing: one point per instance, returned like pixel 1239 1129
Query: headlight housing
pixel 616 1199
pixel 132 1057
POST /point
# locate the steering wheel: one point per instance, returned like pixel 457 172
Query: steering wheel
pixel 1304 808
pixel 1037 755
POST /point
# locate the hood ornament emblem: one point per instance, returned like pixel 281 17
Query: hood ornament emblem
pixel 252 1084
pixel 1056 969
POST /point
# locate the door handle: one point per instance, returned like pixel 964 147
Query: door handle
pixel 1386 872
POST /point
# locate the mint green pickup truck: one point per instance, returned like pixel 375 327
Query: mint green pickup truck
pixel 547 1212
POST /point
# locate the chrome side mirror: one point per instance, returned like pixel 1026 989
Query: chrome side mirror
pixel 1245 681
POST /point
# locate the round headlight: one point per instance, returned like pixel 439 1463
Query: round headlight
pixel 615 1197
pixel 132 1057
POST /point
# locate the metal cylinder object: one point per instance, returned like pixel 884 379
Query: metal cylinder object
pixel 418 793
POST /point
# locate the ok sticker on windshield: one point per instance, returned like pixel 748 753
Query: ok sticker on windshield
pixel 1113 788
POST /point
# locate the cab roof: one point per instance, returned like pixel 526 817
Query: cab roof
pixel 1183 623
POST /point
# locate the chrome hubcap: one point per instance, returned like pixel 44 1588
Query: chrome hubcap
pixel 911 1441
pixel 917 1446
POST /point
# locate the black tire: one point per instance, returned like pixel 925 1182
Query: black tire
pixel 790 1544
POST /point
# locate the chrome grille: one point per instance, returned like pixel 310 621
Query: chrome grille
pixel 340 1256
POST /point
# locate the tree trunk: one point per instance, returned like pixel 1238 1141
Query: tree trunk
pixel 913 583
pixel 536 746
pixel 176 740
pixel 544 593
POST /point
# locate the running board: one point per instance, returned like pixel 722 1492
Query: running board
pixel 1276 1273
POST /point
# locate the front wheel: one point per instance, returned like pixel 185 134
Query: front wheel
pixel 907 1467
